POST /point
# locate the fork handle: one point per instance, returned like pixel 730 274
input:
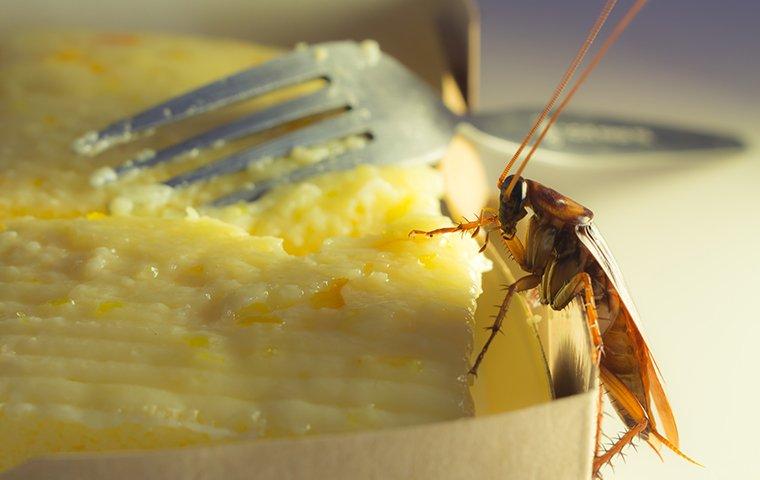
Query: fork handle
pixel 581 134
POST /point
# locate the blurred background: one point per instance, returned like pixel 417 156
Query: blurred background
pixel 684 227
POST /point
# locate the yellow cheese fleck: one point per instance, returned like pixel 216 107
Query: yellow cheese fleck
pixel 197 341
pixel 50 120
pixel 255 308
pixel 108 306
pixel 391 244
pixel 196 269
pixel 403 362
pixel 256 312
pixel 399 210
pixel 96 216
pixel 177 54
pixel 428 260
pixel 58 302
pixel 210 357
pixel 97 68
pixel 330 297
pixel 68 55
pixel 368 268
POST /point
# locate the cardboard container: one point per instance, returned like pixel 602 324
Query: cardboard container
pixel 519 431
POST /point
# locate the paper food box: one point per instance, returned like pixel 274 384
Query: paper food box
pixel 522 428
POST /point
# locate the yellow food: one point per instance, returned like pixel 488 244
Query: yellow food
pixel 133 317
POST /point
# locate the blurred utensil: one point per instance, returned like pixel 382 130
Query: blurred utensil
pixel 591 134
pixel 367 93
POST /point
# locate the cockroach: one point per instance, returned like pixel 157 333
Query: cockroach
pixel 565 256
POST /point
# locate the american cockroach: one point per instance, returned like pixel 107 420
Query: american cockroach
pixel 566 257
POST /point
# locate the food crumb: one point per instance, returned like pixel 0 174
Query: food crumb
pixel 102 176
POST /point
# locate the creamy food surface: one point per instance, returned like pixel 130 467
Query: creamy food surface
pixel 131 316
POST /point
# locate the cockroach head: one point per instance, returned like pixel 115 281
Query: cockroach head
pixel 512 206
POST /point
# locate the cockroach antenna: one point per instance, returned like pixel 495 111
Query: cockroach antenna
pixel 598 24
pixel 608 42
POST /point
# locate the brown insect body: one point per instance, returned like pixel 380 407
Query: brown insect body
pixel 566 253
pixel 566 257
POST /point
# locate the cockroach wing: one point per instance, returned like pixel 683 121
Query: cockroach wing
pixel 592 239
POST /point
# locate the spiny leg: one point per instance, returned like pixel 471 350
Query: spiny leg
pixel 617 447
pixel 592 318
pixel 579 284
pixel 525 283
pixel 487 218
pixel 599 418
pixel 627 401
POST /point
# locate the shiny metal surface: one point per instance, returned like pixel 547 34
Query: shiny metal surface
pixel 403 118
pixel 379 98
pixel 602 135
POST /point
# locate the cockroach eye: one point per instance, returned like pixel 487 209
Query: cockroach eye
pixel 512 208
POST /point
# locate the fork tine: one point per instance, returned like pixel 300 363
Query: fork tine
pixel 375 153
pixel 352 122
pixel 322 101
pixel 345 161
pixel 295 67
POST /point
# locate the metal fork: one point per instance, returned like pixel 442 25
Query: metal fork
pixel 381 98
pixel 402 117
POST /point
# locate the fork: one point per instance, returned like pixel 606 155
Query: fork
pixel 377 97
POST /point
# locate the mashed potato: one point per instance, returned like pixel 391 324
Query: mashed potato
pixel 132 316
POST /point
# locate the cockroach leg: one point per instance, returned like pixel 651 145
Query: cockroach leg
pixel 581 284
pixel 486 220
pixel 599 418
pixel 525 283
pixel 624 397
pixel 593 322
pixel 617 447
pixel 627 400
pixel 517 250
